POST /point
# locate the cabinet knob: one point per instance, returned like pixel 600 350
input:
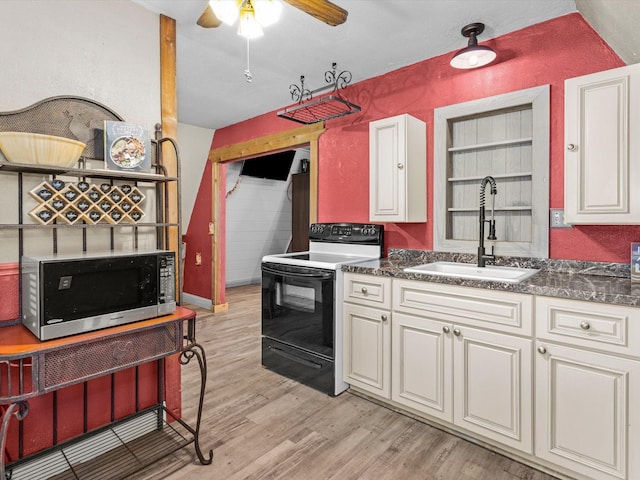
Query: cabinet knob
pixel 585 325
pixel 542 350
pixel 456 332
pixel 572 147
pixel 400 166
pixel 383 317
pixel 446 329
pixel 364 290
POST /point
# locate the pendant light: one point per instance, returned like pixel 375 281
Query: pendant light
pixel 474 55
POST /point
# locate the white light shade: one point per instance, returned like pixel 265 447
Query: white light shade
pixel 225 10
pixel 267 12
pixel 249 26
pixel 472 57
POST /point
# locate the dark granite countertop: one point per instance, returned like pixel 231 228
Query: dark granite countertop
pixel 579 280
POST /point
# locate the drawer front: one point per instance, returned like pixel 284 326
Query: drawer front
pixel 74 364
pixel 367 290
pixel 613 328
pixel 503 311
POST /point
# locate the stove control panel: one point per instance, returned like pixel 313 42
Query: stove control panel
pixel 358 233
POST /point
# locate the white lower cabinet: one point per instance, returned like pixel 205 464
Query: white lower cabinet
pixel 367 343
pixel 584 403
pixel 367 333
pixel 465 357
pixel 492 385
pixel 475 379
pixel 587 394
pixel 421 365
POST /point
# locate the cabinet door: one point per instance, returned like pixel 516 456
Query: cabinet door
pixel 367 349
pixel 421 365
pixel 602 152
pixel 492 386
pixel 397 170
pixel 584 402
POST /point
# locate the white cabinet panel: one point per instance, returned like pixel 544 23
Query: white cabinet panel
pixel 586 412
pixel 398 170
pixel 492 386
pixel 421 365
pixel 602 153
pixel 367 349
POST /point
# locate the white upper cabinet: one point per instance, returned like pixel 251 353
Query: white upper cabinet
pixel 398 170
pixel 602 147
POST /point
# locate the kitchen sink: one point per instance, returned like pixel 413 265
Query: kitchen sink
pixel 471 271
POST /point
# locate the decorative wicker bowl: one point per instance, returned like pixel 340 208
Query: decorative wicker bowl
pixel 38 149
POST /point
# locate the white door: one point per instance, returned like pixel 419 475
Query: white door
pixel 492 386
pixel 584 402
pixel 421 365
pixel 367 349
pixel 602 147
pixel 386 170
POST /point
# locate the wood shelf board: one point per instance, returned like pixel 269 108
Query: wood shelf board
pixel 16 341
pixel 81 172
pixel 501 143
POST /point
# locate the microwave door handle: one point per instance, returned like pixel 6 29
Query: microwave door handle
pixel 297 274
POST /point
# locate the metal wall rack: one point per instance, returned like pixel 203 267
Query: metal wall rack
pixel 310 110
pixel 30 368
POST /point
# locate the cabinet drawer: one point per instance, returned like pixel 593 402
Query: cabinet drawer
pixel 74 364
pixel 503 311
pixel 367 290
pixel 613 328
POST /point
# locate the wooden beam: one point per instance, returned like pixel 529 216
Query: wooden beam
pixel 267 144
pixel 169 128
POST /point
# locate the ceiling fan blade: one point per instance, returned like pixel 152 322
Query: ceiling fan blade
pixel 208 19
pixel 323 10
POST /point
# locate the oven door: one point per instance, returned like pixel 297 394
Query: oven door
pixel 298 307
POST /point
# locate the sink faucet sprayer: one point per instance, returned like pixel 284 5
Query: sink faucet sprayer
pixel 482 256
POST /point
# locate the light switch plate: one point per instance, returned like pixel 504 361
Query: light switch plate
pixel 556 218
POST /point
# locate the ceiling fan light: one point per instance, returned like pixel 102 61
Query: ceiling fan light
pixel 225 10
pixel 249 26
pixel 267 12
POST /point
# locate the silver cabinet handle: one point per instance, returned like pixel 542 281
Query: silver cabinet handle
pixel 446 329
pixel 572 147
pixel 383 317
pixel 542 350
pixel 400 166
pixel 585 325
pixel 456 332
pixel 364 290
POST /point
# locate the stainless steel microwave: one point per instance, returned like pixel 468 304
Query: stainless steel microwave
pixel 68 294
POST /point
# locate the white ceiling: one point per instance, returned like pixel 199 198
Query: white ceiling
pixel 378 36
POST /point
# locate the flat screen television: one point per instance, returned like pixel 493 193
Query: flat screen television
pixel 275 166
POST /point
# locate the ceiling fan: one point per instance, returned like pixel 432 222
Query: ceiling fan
pixel 323 10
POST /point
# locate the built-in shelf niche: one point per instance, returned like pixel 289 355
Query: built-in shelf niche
pixel 505 137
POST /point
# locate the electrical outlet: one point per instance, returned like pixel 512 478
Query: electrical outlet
pixel 556 218
pixel 198 259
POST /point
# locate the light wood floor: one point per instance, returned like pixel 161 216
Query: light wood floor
pixel 263 426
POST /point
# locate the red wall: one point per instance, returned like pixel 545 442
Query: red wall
pixel 547 53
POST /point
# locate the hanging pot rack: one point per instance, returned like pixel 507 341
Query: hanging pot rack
pixel 313 110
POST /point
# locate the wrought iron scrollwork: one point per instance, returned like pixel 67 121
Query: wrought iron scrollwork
pixel 298 92
pixel 20 411
pixel 334 80
pixel 190 351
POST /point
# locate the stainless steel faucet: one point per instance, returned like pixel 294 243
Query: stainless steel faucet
pixel 482 255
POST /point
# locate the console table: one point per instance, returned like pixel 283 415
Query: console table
pixel 30 367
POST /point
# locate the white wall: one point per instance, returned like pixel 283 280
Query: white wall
pixel 194 144
pixel 107 51
pixel 258 221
